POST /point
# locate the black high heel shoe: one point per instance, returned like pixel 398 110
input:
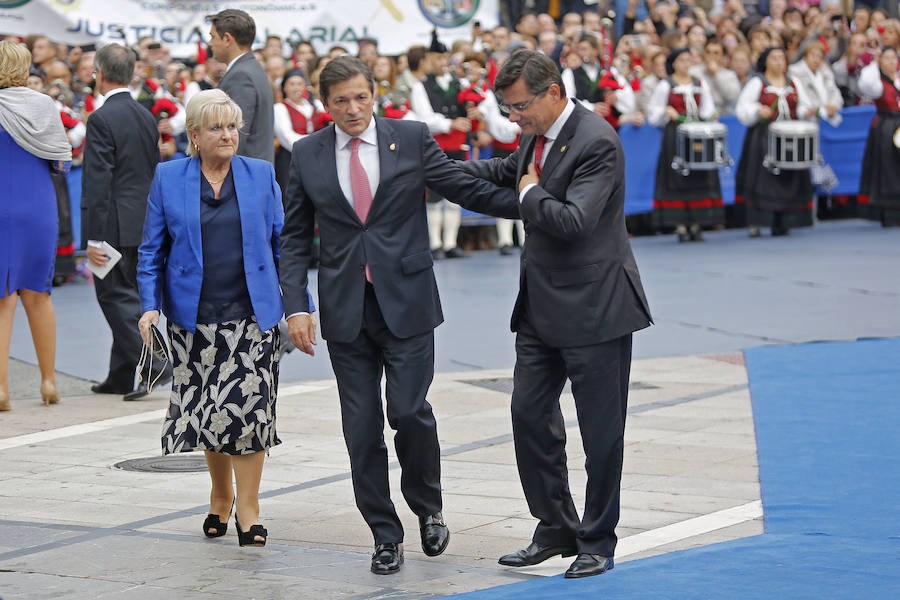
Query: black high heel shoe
pixel 213 522
pixel 248 538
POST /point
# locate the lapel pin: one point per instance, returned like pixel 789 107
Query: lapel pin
pixel 393 147
pixel 563 149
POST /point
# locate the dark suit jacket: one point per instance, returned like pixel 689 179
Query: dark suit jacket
pixel 578 275
pixel 394 239
pixel 246 83
pixel 120 154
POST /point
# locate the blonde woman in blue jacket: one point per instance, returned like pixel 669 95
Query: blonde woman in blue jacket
pixel 209 262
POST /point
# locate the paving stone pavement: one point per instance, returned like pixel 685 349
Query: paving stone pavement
pixel 75 526
pixel 72 525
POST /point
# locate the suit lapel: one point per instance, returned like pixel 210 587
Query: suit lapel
pixel 328 171
pixel 528 158
pixel 388 149
pixel 561 143
pixel 192 208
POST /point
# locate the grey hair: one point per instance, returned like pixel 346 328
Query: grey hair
pixel 116 62
pixel 536 69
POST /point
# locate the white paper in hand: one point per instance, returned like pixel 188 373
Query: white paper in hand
pixel 114 256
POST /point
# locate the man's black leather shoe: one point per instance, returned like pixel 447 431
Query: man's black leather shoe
pixel 106 387
pixel 387 558
pixel 535 554
pixel 590 564
pixel 435 534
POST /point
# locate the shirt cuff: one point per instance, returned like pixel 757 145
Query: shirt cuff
pixel 94 244
pixel 525 191
pixel 296 314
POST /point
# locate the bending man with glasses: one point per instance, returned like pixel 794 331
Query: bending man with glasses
pixel 579 302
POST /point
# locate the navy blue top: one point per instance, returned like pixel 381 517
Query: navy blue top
pixel 224 295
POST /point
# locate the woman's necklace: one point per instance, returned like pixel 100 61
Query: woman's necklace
pixel 211 182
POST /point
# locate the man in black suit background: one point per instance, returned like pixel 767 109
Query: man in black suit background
pixel 579 302
pixel 231 36
pixel 120 154
pixel 364 181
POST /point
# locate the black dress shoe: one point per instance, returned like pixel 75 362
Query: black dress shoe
pixel 106 387
pixel 438 254
pixel 455 253
pixel 778 231
pixel 435 534
pixel 535 554
pixel 387 558
pixel 507 250
pixel 587 565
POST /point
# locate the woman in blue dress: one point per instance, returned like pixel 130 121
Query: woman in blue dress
pixel 32 143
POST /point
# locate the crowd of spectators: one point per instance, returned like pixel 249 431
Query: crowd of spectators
pixel 827 44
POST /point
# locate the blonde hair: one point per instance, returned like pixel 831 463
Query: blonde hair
pixel 208 108
pixel 14 62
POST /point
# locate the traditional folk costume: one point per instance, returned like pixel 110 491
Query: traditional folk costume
pixel 879 184
pixel 781 201
pixel 292 122
pixel 694 199
pixel 590 84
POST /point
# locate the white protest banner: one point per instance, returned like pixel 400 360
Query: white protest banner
pixel 396 24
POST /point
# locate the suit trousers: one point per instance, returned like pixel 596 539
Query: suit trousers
pixel 599 374
pixel 408 365
pixel 117 294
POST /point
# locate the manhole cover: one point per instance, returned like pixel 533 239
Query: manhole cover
pixel 505 385
pixel 175 463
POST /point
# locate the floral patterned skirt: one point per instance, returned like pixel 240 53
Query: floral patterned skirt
pixel 224 389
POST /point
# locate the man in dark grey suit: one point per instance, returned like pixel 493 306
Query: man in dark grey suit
pixel 579 301
pixel 230 38
pixel 120 154
pixel 363 181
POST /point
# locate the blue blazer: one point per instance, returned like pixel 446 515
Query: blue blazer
pixel 170 258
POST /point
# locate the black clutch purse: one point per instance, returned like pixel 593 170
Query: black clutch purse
pixel 156 349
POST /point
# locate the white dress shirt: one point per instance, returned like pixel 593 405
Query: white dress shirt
pixel 368 156
pixel 234 60
pixel 552 133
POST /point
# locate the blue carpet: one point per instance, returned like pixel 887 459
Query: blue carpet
pixel 828 434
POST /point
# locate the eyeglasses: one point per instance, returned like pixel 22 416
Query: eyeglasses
pixel 506 109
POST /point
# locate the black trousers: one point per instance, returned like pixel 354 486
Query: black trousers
pixel 599 375
pixel 408 366
pixel 120 303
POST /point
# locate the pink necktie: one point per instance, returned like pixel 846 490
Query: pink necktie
pixel 359 183
pixel 539 153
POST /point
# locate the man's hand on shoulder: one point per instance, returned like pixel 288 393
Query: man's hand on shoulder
pixel 302 329
pixel 528 178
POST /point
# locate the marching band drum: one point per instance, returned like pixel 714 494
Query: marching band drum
pixel 701 146
pixel 792 146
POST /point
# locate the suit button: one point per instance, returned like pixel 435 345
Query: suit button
pixel 362 267
pixel 365 228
